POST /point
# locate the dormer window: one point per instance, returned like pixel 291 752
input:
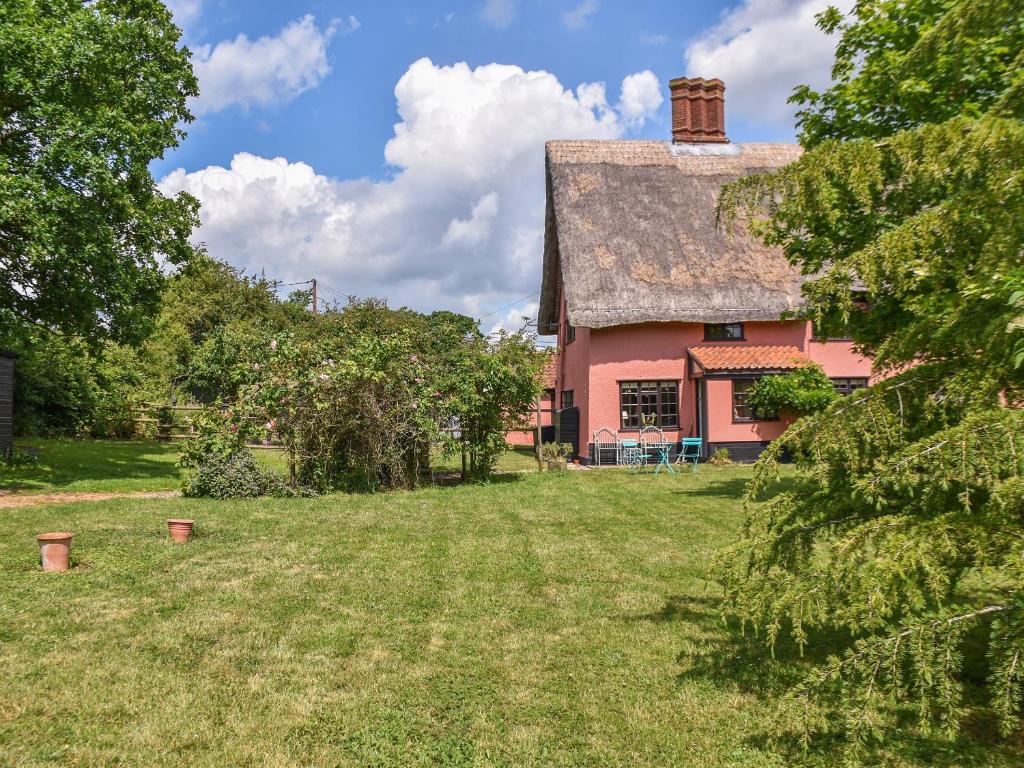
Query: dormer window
pixel 723 331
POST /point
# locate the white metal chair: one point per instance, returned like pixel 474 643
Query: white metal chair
pixel 654 445
pixel 603 447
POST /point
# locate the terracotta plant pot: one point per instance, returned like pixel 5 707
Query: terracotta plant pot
pixel 180 529
pixel 55 551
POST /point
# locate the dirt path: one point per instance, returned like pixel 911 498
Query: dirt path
pixel 12 500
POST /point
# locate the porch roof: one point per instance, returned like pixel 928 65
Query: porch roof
pixel 715 358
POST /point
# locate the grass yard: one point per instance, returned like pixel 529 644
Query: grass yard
pixel 112 466
pixel 93 466
pixel 556 619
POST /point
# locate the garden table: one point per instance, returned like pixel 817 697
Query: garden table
pixel 663 450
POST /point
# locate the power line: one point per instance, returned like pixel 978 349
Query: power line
pixel 508 306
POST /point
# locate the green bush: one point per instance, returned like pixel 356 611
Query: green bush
pixel 556 451
pixel 236 475
pixel 720 457
pixel 802 391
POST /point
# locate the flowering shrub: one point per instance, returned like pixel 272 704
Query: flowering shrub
pixel 359 400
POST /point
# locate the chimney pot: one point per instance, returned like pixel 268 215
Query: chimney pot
pixel 698 110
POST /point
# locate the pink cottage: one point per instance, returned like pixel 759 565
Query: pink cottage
pixel 662 317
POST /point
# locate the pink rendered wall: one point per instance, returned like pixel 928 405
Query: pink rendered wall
pixel 721 426
pixel 657 351
pixel 839 360
pixel 595 363
pixel 528 437
pixel 651 351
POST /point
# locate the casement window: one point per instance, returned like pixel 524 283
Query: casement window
pixel 849 385
pixel 741 409
pixel 649 403
pixel 567 398
pixel 570 333
pixel 723 332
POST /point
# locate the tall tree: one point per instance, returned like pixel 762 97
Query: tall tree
pixel 91 91
pixel 905 526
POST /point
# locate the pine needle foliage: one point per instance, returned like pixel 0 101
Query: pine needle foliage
pixel 904 528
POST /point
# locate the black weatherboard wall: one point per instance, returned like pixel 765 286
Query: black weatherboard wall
pixel 6 402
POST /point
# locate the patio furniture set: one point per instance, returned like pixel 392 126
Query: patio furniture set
pixel 649 448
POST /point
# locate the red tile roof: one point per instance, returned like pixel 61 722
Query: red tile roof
pixel 551 371
pixel 747 358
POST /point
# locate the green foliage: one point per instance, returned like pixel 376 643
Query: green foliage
pixel 720 458
pixel 1016 328
pixel 556 451
pixel 903 529
pixel 799 392
pixel 15 459
pixel 209 314
pixel 235 475
pixel 359 396
pixel 91 92
pixel 217 438
pixel 62 386
pixel 902 63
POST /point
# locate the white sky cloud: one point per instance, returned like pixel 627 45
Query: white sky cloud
pixel 511 320
pixel 640 98
pixel 184 11
pixel 499 13
pixel 460 222
pixel 577 17
pixel 475 230
pixel 762 49
pixel 268 70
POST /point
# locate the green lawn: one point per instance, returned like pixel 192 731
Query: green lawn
pixel 130 466
pixel 556 619
pixel 93 465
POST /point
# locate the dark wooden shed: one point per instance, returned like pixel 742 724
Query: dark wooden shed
pixel 6 402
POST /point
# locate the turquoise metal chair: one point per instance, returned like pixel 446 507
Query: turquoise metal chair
pixel 689 451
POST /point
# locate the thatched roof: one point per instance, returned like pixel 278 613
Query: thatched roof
pixel 630 236
pixel 710 358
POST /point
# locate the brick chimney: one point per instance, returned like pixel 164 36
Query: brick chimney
pixel 698 111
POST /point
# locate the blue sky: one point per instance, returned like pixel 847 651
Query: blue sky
pixel 395 149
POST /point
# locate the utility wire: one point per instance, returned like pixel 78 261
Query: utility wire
pixel 508 306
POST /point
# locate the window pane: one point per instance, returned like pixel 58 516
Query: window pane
pixel 723 331
pixel 846 386
pixel 629 399
pixel 567 398
pixel 649 403
pixel 740 410
pixel 669 416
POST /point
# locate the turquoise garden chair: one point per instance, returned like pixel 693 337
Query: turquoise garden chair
pixel 689 451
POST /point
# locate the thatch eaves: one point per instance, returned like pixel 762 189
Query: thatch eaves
pixel 631 237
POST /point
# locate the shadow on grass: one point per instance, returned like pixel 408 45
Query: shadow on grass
pixel 734 488
pixel 61 463
pixel 727 658
pixel 454 479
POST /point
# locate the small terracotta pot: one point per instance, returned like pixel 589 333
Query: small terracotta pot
pixel 180 529
pixel 55 551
